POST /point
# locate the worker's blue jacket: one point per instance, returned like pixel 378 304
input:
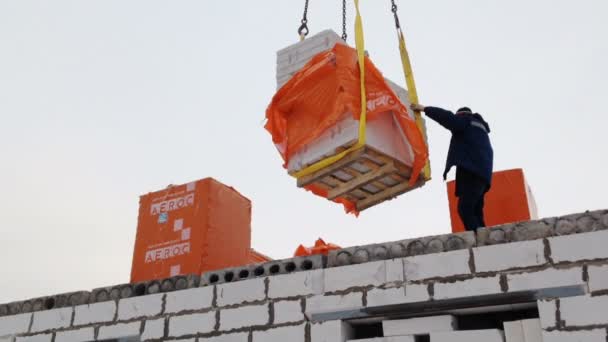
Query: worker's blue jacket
pixel 470 146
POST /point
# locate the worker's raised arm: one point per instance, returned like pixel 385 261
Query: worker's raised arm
pixel 444 117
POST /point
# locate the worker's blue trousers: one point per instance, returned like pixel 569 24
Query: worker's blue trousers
pixel 470 190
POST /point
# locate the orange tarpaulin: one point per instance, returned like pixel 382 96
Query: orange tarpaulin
pixel 322 93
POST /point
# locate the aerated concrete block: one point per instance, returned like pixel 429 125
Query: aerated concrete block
pixel 52 319
pixel 246 291
pixel 398 295
pixel 121 330
pixel 189 299
pixel 400 249
pixel 509 256
pixel 244 316
pixel 595 335
pixel 289 333
pixel 78 335
pixel 584 310
pixel 192 324
pixel 145 306
pixel 292 58
pixel 468 336
pixel 417 326
pixel 296 284
pixel 579 247
pixel 323 304
pixel 331 331
pixel 13 325
pixel 94 313
pixel 545 279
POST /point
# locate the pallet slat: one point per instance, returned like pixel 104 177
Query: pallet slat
pixel 384 178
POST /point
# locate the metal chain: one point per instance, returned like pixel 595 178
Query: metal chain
pixel 303 29
pixel 344 35
pixel 394 10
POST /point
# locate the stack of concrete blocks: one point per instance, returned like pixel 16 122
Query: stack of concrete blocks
pixel 309 306
pixel 383 134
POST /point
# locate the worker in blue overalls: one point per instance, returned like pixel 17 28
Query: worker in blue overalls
pixel 471 152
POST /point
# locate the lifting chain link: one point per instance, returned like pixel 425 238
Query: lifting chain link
pixel 303 29
pixel 344 35
pixel 394 10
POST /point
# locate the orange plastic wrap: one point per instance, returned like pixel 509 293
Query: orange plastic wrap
pixel 191 228
pixel 322 93
pixel 509 200
pixel 320 247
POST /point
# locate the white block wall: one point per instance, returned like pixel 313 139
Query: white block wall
pixel 282 307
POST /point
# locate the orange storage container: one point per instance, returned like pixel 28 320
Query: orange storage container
pixel 509 200
pixel 189 229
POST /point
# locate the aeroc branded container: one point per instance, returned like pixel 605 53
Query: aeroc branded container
pixel 191 228
pixel 509 200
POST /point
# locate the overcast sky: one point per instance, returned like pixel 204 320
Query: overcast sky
pixel 102 101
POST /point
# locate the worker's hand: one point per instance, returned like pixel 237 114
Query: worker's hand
pixel 416 107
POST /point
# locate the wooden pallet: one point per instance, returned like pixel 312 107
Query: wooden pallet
pixel 365 177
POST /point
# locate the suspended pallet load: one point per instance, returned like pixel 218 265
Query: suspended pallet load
pixel 353 154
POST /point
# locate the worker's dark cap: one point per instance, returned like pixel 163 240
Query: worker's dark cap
pixel 464 110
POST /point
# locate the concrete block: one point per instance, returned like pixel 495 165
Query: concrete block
pixel 244 316
pixel 596 335
pixel 584 310
pixel 598 277
pixel 516 232
pixel 120 330
pixel 190 324
pixel 400 249
pixel 288 311
pixel 586 246
pixel 290 333
pixel 467 288
pixel 136 307
pixel 346 277
pixel 235 337
pixel 122 291
pixel 545 279
pixel 246 291
pixel 398 295
pixel 509 256
pixel 528 330
pixel 532 330
pixel 468 336
pixel 417 326
pixel 322 303
pixel 296 284
pixel 153 329
pixel 331 331
pixel 79 335
pixel 54 302
pixel 387 339
pixel 547 311
pixel 36 338
pixel 539 229
pixel 13 325
pixel 189 300
pixel 514 331
pixel 271 268
pixel 52 319
pixel 94 313
pixel 176 283
pixel 437 265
